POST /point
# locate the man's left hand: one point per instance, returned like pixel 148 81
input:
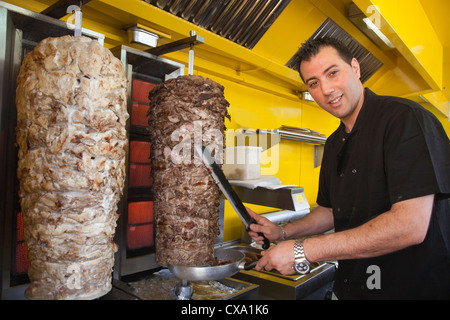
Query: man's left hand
pixel 279 257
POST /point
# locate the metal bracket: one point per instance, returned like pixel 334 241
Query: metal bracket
pixel 78 18
pixel 58 9
pixel 190 42
pixel 177 45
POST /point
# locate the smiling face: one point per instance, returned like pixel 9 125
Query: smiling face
pixel 334 84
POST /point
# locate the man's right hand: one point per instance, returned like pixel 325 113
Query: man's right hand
pixel 272 231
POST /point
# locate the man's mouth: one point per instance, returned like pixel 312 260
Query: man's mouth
pixel 336 99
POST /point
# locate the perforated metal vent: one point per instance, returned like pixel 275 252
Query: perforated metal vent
pixel 368 63
pixel 241 21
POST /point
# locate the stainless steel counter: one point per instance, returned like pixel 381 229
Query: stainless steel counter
pixel 273 285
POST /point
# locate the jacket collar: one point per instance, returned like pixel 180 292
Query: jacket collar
pixel 362 115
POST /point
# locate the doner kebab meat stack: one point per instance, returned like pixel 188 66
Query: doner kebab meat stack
pixel 184 111
pixel 71 137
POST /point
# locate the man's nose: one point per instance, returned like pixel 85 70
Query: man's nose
pixel 327 88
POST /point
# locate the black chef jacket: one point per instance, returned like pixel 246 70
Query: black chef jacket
pixel 396 151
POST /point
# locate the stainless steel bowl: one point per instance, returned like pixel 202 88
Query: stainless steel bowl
pixel 235 262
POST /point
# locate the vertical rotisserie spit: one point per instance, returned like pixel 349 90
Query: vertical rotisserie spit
pixel 71 137
pixel 185 111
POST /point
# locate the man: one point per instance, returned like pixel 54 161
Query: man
pixel 384 187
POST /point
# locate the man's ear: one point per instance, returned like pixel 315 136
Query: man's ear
pixel 356 68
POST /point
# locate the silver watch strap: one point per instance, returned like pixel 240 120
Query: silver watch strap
pixel 299 252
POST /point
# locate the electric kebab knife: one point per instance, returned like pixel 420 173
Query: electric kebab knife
pixel 228 190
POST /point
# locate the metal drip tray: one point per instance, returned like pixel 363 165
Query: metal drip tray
pixel 274 285
pixel 162 285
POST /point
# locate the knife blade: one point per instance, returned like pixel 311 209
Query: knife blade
pixel 228 190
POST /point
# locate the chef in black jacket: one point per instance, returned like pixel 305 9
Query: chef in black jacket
pixel 384 187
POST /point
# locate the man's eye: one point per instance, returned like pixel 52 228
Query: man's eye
pixel 312 84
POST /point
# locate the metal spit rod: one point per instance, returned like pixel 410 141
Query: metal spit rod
pixel 184 291
pixel 78 18
pixel 191 56
pixel 189 42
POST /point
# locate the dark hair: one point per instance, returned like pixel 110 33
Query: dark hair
pixel 312 46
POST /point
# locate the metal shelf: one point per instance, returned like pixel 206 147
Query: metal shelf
pixel 302 137
pixel 277 134
pixel 291 198
pixel 272 137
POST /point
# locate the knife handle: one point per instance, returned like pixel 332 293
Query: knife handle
pixel 266 243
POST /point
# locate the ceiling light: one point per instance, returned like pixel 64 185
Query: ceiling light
pixel 378 32
pixel 369 28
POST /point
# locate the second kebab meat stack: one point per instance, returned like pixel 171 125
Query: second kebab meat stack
pixel 71 114
pixel 185 111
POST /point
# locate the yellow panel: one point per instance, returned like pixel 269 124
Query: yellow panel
pixel 437 12
pixel 440 100
pixel 407 26
pixel 33 5
pixel 293 27
pixel 402 80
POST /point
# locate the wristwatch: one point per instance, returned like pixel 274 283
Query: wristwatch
pixel 301 264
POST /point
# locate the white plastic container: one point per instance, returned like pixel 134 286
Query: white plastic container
pixel 138 35
pixel 242 163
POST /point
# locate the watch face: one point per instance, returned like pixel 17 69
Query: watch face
pixel 301 267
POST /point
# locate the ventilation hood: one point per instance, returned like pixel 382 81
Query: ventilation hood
pixel 368 63
pixel 241 21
